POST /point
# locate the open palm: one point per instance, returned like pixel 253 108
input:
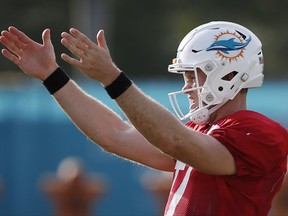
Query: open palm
pixel 35 59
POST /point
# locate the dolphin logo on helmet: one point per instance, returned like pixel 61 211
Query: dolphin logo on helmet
pixel 228 45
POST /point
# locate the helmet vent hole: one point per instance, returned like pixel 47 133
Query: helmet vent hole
pixel 220 88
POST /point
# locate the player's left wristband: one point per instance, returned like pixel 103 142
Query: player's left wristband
pixel 56 80
pixel 118 86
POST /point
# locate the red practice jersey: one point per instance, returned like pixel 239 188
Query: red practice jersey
pixel 259 146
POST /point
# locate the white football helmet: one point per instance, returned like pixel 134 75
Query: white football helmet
pixel 218 49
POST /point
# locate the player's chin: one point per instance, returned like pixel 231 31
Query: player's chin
pixel 193 105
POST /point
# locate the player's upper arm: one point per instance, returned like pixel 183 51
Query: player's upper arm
pixel 201 151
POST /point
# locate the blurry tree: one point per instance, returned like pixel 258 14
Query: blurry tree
pixel 143 35
pixel 33 16
pixel 147 32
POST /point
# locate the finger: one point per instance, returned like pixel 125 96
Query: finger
pixel 10 56
pixel 73 45
pixel 80 36
pixel 6 41
pixel 73 41
pixel 46 37
pixel 10 40
pixel 72 61
pixel 23 37
pixel 101 40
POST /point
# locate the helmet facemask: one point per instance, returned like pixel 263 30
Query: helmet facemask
pixel 201 99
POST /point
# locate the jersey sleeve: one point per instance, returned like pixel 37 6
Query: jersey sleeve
pixel 256 148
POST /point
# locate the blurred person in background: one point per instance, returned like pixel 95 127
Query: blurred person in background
pixel 226 159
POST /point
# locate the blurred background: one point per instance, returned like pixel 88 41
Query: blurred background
pixel 143 35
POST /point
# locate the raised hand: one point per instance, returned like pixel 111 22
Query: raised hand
pixel 37 60
pixel 94 60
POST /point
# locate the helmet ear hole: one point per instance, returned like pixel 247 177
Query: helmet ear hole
pixel 220 88
pixel 230 76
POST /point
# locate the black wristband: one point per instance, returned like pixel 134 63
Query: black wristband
pixel 118 86
pixel 56 80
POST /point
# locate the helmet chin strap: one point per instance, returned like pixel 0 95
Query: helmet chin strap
pixel 202 116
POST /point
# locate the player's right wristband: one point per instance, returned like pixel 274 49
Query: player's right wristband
pixel 56 80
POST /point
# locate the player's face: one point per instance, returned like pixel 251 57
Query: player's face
pixel 190 82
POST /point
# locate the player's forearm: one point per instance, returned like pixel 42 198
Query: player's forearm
pixel 154 121
pixel 92 117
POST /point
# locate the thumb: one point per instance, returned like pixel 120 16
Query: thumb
pixel 101 40
pixel 46 37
